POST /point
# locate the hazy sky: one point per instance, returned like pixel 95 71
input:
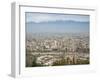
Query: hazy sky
pixel 40 17
pixel 46 22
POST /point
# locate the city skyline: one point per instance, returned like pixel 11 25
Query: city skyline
pixel 54 43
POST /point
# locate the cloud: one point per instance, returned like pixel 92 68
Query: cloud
pixel 47 17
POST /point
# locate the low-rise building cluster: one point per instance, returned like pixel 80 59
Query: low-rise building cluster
pixel 63 44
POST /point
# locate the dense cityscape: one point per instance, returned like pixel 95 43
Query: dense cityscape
pixel 55 49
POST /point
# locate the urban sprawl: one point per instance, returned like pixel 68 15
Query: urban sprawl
pixel 45 49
